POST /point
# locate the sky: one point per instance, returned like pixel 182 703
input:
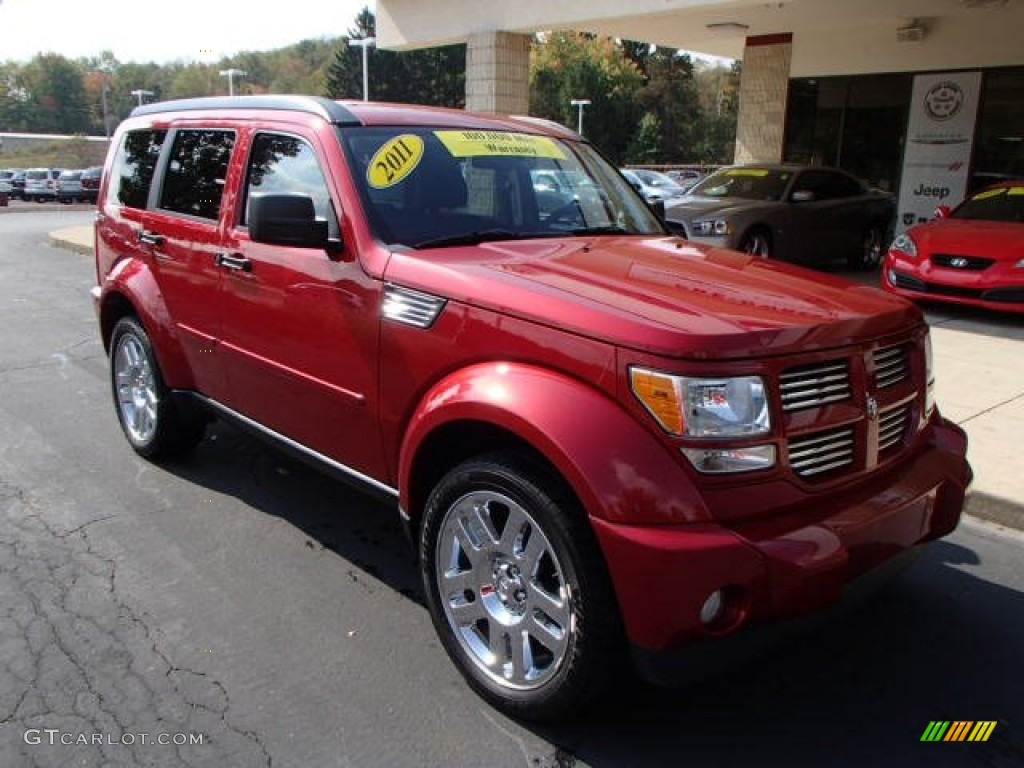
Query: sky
pixel 171 30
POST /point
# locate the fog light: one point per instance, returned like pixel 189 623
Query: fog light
pixel 712 609
pixel 717 461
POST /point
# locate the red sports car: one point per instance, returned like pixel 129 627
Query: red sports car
pixel 972 255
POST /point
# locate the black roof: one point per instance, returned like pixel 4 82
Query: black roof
pixel 329 110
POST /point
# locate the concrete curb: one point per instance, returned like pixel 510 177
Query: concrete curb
pixel 77 239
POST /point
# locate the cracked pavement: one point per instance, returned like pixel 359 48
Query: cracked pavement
pixel 76 658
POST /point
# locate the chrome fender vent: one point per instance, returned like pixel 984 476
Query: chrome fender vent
pixel 409 307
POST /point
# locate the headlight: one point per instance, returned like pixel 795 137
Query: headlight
pixel 905 244
pixel 708 227
pixel 704 407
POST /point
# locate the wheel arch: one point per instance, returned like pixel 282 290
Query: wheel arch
pixel 132 290
pixel 613 465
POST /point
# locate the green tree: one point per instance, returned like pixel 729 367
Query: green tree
pixel 15 98
pixel 670 94
pixel 647 146
pixel 56 93
pixel 569 65
pixel 429 76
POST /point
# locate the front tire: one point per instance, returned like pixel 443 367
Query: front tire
pixel 156 426
pixel 757 242
pixel 871 250
pixel 517 589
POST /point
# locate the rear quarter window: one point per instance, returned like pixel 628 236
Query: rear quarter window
pixel 132 172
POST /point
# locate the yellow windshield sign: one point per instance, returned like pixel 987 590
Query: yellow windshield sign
pixel 989 193
pixel 394 161
pixel 1015 191
pixel 499 144
pixel 758 172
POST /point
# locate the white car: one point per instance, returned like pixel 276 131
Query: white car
pixel 41 184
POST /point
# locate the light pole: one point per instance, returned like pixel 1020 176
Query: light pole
pixel 141 94
pixel 104 87
pixel 365 43
pixel 580 104
pixel 231 74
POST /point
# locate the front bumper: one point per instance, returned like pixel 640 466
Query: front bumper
pixel 780 568
pixel 999 288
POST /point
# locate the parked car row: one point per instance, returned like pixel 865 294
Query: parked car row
pixel 44 184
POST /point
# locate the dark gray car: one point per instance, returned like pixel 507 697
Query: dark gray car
pixel 793 212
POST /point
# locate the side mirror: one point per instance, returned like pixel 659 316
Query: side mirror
pixel 286 220
pixel 658 206
pixel 943 211
pixel 802 196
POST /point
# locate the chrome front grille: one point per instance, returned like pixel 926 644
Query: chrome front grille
pixel 892 425
pixel 811 386
pixel 890 365
pixel 813 454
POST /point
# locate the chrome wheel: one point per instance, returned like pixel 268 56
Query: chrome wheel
pixel 872 249
pixel 503 590
pixel 136 389
pixel 757 243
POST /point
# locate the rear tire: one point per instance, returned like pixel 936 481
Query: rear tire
pixel 517 588
pixel 156 426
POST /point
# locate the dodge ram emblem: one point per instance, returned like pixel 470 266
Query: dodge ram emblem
pixel 959 262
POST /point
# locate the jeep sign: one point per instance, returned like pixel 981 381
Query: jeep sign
pixel 939 137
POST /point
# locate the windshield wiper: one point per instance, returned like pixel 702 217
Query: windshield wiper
pixel 610 229
pixel 483 236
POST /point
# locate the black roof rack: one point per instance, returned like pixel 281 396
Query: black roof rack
pixel 329 110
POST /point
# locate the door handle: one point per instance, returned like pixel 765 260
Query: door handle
pixel 233 262
pixel 151 238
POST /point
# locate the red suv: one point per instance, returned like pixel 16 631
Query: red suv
pixel 606 441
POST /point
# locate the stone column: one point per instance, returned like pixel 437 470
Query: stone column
pixel 764 87
pixel 498 73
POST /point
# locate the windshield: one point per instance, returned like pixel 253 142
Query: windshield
pixel 746 183
pixel 1000 204
pixel 429 188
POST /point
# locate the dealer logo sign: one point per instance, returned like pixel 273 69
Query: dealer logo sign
pixel 943 100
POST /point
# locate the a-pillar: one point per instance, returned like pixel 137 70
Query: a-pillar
pixel 498 73
pixel 764 87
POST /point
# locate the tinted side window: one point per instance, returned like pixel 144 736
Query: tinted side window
pixel 284 164
pixel 828 185
pixel 198 165
pixel 133 167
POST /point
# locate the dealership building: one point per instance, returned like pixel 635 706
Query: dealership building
pixel 921 97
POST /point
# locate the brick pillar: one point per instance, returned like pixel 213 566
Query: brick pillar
pixel 498 73
pixel 764 87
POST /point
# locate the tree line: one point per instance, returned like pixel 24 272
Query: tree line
pixel 648 104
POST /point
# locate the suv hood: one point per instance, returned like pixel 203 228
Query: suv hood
pixel 998 240
pixel 659 294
